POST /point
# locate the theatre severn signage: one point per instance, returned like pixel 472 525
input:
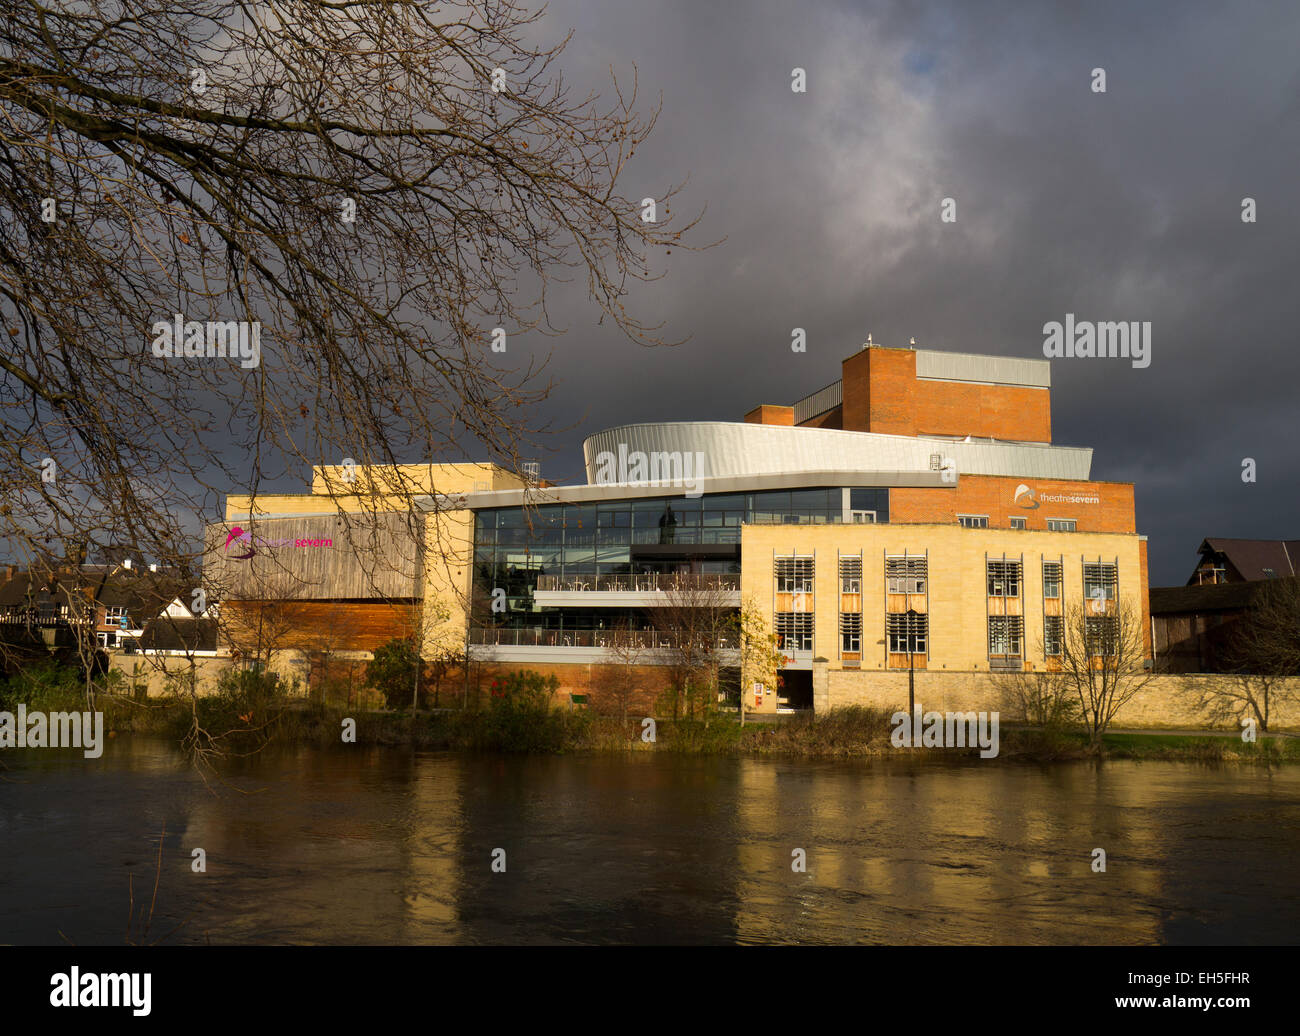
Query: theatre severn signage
pixel 1030 498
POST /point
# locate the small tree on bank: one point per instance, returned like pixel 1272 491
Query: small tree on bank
pixel 693 624
pixel 614 680
pixel 392 672
pixel 760 651
pixel 1103 661
pixel 1263 649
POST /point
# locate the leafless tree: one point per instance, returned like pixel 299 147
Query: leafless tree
pixel 614 680
pixel 1043 698
pixel 1104 660
pixel 695 622
pixel 374 188
pixel 1263 658
pixel 1267 638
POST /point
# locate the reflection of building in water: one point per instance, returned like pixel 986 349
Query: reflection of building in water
pixel 902 853
pixel 353 847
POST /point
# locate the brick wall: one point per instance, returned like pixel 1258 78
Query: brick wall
pixel 575 678
pixel 833 418
pixel 882 394
pixel 994 496
pixel 770 413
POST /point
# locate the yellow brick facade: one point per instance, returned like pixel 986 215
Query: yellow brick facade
pixel 958 601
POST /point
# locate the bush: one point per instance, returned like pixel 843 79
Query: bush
pixel 47 686
pixel 521 717
pixel 246 701
pixel 392 672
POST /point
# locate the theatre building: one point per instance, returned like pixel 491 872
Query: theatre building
pixel 912 514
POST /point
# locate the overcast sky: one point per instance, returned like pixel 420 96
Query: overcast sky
pixel 1123 205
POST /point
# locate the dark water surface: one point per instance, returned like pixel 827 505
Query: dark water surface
pixel 395 846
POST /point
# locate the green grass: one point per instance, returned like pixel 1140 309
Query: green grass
pixel 252 711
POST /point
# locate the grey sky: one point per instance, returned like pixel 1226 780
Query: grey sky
pixel 1117 206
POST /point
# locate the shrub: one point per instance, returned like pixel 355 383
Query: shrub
pixel 521 716
pixel 47 686
pixel 392 672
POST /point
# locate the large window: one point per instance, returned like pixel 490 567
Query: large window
pixel 906 575
pixel 794 631
pixel 1006 634
pixel 850 575
pixel 1103 635
pixel 908 634
pixel 1004 578
pixel 1061 524
pixel 1051 579
pixel 794 575
pixel 1100 581
pixel 973 521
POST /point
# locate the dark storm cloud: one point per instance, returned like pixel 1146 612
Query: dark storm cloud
pixel 1115 206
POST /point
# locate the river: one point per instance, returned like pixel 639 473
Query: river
pixel 363 845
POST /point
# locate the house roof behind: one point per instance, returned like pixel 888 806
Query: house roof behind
pixel 1251 557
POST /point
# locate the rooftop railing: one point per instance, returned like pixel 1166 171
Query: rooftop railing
pixel 646 583
pixel 649 640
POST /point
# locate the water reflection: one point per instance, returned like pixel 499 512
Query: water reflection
pixel 395 846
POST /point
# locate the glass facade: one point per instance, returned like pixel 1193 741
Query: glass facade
pixel 515 546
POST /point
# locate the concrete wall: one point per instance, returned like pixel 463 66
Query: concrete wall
pixel 160 674
pixel 1165 702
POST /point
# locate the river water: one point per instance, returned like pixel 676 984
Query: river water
pixel 373 846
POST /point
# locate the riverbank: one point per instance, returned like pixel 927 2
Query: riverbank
pixel 852 732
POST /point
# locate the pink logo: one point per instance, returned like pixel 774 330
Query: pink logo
pixel 243 537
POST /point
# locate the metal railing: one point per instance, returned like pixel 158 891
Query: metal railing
pixel 649 640
pixel 646 583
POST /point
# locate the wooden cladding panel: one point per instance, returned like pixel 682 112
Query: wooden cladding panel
pixel 315 625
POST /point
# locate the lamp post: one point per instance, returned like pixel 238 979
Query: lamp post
pixel 911 669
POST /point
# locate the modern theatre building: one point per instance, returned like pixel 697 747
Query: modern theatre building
pixel 912 514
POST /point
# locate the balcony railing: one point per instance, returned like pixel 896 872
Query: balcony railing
pixel 650 640
pixel 649 583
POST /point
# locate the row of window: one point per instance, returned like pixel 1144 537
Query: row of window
pixel 981 521
pixel 908 575
pixel 910 634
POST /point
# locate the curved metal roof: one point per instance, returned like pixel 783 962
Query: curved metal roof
pixel 741 449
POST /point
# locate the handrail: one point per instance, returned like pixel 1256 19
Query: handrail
pixel 607 638
pixel 651 582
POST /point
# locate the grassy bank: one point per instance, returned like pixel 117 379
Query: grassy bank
pixel 252 710
pixel 853 732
